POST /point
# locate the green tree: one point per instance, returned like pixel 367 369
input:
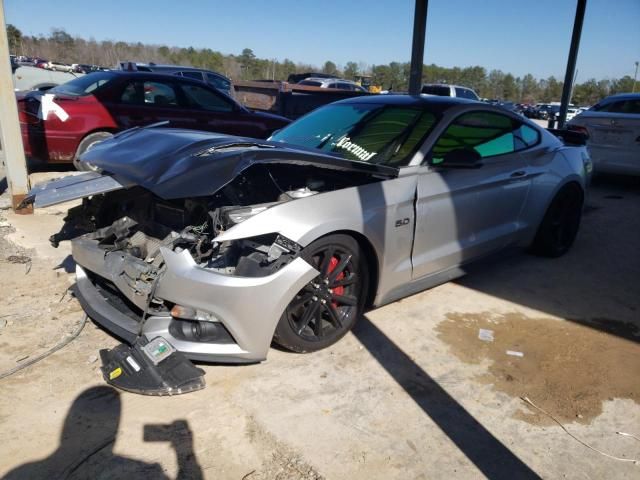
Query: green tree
pixel 623 85
pixel 351 70
pixel 330 68
pixel 509 88
pixel 247 61
pixel 284 69
pixel 14 37
pixel 529 89
pixel 495 84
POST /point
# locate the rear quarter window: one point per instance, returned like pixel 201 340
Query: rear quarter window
pixel 441 91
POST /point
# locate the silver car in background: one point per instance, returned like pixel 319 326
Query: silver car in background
pixel 613 127
pixel 222 244
pixel 338 83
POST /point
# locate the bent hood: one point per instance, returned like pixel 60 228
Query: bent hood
pixel 175 163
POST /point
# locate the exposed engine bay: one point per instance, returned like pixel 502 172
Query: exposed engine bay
pixel 137 222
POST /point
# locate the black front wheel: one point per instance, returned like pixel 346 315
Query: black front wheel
pixel 328 306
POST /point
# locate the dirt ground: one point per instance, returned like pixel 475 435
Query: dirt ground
pixel 413 392
pixel 559 369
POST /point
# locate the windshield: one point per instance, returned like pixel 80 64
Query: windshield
pixel 84 85
pixel 365 132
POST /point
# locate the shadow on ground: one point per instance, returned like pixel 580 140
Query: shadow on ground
pixel 477 443
pixel 87 441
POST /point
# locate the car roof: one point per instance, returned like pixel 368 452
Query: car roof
pixel 411 100
pixel 622 96
pixel 163 66
pixel 445 85
pixel 163 76
pixel 327 80
pixel 159 75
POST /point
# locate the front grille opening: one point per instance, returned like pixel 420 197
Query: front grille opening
pixel 120 302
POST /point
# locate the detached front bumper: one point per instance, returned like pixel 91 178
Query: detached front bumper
pixel 248 308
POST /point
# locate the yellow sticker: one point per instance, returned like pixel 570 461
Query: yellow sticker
pixel 115 373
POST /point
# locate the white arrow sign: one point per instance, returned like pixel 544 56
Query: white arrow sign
pixel 47 105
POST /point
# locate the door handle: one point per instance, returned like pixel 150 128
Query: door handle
pixel 519 173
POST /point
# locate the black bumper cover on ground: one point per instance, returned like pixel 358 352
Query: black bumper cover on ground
pixel 130 368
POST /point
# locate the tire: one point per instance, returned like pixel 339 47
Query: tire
pixel 327 307
pixel 86 144
pixel 560 224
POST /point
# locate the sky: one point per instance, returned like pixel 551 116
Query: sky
pixel 517 36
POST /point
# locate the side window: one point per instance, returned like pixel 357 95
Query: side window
pixel 633 106
pixel 133 94
pixel 332 85
pixel 150 93
pixel 613 107
pixel 218 82
pixel 194 75
pixel 488 133
pixel 525 137
pixel 466 93
pixel 461 92
pixel 205 99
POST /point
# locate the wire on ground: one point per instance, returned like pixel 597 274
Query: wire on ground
pixel 64 342
pixel 635 461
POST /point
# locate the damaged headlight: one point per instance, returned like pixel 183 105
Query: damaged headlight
pixel 241 214
pixel 88 167
pixel 190 313
pixel 264 255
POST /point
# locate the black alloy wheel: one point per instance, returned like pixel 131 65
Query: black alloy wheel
pixel 325 309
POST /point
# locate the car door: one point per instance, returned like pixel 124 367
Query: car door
pixel 614 134
pixel 143 101
pixel 465 213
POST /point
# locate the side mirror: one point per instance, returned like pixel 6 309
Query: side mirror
pixel 461 158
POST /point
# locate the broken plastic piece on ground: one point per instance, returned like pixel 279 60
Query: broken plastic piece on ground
pixel 18 259
pixel 513 353
pixel 485 335
pixel 150 368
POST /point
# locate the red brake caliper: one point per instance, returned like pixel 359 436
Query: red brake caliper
pixel 338 290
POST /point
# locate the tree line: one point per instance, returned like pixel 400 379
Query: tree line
pixel 61 46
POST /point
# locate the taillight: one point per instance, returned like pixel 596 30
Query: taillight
pixel 579 129
pixel 28 111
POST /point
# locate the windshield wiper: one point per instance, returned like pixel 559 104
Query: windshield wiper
pixel 234 146
pixel 324 141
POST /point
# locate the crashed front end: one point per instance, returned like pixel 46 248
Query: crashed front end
pixel 145 239
pixel 211 302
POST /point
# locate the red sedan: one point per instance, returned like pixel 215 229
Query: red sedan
pixel 60 124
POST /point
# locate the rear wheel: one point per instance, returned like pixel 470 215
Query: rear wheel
pixel 560 224
pixel 328 306
pixel 86 144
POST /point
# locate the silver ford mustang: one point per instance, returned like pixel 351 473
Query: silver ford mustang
pixel 222 244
